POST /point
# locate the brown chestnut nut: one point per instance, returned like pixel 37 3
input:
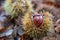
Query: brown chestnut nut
pixel 38 20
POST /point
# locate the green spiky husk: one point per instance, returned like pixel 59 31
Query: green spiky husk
pixel 34 32
pixel 16 7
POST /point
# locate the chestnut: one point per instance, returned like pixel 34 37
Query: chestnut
pixel 38 20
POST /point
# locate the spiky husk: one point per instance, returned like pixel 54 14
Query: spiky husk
pixel 30 28
pixel 15 7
